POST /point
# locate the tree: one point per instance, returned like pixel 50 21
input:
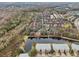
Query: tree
pixel 33 52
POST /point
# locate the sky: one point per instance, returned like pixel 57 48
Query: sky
pixel 39 0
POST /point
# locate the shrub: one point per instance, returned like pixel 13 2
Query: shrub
pixel 33 52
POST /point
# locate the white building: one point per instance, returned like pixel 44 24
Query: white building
pixel 75 49
pixel 62 48
pixel 51 16
pixel 43 47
